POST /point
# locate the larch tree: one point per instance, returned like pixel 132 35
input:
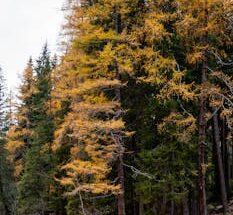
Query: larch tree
pixel 202 29
pixel 92 82
pixel 204 46
pixel 19 133
pixel 190 39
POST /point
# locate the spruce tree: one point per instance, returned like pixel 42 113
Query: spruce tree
pixel 35 181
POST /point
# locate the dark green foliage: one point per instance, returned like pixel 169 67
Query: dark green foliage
pixel 34 185
pixel 7 188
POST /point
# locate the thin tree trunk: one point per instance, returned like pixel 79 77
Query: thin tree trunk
pixel 185 206
pixel 121 196
pixel 202 209
pixel 201 150
pixel 216 188
pixel 231 163
pixel 172 207
pixel 141 207
pixel 120 166
pixel 193 203
pixel 81 202
pixel 217 143
pixel 225 157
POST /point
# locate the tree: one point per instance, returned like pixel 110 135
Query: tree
pixel 94 123
pixel 7 189
pixel 34 185
pixel 199 30
pixel 20 134
pixel 211 38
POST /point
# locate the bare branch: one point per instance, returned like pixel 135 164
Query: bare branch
pixel 220 61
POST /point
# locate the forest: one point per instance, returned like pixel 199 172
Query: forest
pixel 135 117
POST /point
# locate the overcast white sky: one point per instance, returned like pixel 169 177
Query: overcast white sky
pixel 25 25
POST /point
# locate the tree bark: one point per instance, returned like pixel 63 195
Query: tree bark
pixel 193 203
pixel 220 174
pixel 121 196
pixel 201 149
pixel 120 166
pixel 225 157
pixel 202 209
pixel 172 207
pixel 185 206
pixel 141 207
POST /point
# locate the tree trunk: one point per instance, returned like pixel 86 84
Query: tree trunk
pixel 185 206
pixel 220 174
pixel 172 207
pixel 225 157
pixel 231 164
pixel 193 203
pixel 201 149
pixel 120 167
pixel 141 207
pixel 202 209
pixel 216 188
pixel 121 196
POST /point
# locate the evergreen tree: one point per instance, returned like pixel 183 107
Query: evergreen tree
pixel 34 185
pixel 7 191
